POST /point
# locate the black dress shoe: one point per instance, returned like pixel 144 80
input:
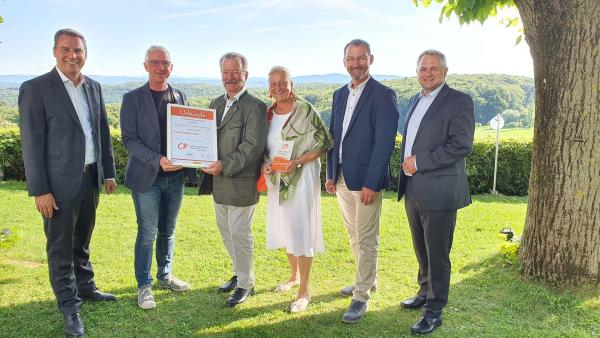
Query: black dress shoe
pixel 97 296
pixel 229 285
pixel 239 296
pixel 356 311
pixel 413 303
pixel 426 324
pixel 73 326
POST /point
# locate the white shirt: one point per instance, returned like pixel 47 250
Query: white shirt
pixel 229 102
pixel 353 98
pixel 79 100
pixel 415 120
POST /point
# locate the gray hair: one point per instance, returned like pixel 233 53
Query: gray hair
pixel 282 70
pixel 234 55
pixel 358 42
pixel 155 48
pixel 70 32
pixel 433 52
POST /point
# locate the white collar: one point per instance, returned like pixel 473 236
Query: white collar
pixel 64 78
pixel 360 86
pixel 236 96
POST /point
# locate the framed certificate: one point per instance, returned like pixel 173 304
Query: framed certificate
pixel 191 136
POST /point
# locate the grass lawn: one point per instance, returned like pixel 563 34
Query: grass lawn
pixel 488 298
pixel 489 134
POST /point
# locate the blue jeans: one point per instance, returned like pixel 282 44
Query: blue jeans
pixel 156 211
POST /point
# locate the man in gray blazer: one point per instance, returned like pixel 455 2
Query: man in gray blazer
pixel 156 184
pixel 68 156
pixel 241 138
pixel 438 137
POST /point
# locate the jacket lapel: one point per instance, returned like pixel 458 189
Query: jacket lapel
pixel 364 96
pixel 150 110
pixel 439 99
pixel 220 108
pixel 232 110
pixel 94 112
pixel 61 92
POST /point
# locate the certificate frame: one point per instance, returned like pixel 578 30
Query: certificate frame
pixel 191 136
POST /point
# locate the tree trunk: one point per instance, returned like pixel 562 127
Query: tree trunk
pixel 561 241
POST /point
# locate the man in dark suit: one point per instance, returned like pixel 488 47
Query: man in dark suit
pixel 68 155
pixel 241 140
pixel 156 184
pixel 363 123
pixel 438 137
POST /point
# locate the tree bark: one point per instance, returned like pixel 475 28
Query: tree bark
pixel 561 241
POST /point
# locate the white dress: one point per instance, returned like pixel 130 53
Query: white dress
pixel 295 224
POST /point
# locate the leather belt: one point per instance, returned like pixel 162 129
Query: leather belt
pixel 89 167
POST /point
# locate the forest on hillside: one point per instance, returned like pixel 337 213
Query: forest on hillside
pixel 511 96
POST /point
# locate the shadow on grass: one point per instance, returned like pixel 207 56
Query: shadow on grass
pixel 492 301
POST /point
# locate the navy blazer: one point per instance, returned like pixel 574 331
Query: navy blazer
pixel 443 141
pixel 52 139
pixel 141 136
pixel 369 140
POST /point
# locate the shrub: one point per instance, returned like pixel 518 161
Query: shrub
pixel 11 161
pixel 514 163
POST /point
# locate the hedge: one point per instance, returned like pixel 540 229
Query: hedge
pixel 514 163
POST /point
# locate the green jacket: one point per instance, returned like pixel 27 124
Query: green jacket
pixel 241 141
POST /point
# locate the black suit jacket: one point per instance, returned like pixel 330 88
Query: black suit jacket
pixel 52 139
pixel 443 141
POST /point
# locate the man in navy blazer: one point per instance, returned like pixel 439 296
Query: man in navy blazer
pixel 156 184
pixel 364 118
pixel 68 156
pixel 438 137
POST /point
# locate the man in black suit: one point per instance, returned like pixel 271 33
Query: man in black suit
pixel 438 137
pixel 68 156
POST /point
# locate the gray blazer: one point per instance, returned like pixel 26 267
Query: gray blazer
pixel 241 138
pixel 443 141
pixel 52 140
pixel 141 136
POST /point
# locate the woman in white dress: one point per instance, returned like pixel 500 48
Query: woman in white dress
pixel 294 191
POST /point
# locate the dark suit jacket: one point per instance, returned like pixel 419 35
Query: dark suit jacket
pixel 369 140
pixel 141 136
pixel 241 138
pixel 52 140
pixel 443 141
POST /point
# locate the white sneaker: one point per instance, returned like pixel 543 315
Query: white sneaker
pixel 145 298
pixel 173 284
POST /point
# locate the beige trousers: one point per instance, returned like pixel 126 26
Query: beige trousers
pixel 362 224
pixel 235 226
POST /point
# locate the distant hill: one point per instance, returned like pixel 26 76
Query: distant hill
pixel 511 96
pixel 7 81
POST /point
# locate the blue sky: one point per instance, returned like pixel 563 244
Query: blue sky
pixel 307 36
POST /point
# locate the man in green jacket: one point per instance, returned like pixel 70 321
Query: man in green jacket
pixel 241 139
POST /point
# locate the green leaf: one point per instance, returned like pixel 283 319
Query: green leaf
pixel 519 38
pixel 1 20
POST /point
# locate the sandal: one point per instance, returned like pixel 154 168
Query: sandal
pixel 299 305
pixel 287 286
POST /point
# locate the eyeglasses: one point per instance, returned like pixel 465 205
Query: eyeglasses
pixel 156 63
pixel 360 59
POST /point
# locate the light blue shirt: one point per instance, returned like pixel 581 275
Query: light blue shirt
pixel 415 120
pixel 79 100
